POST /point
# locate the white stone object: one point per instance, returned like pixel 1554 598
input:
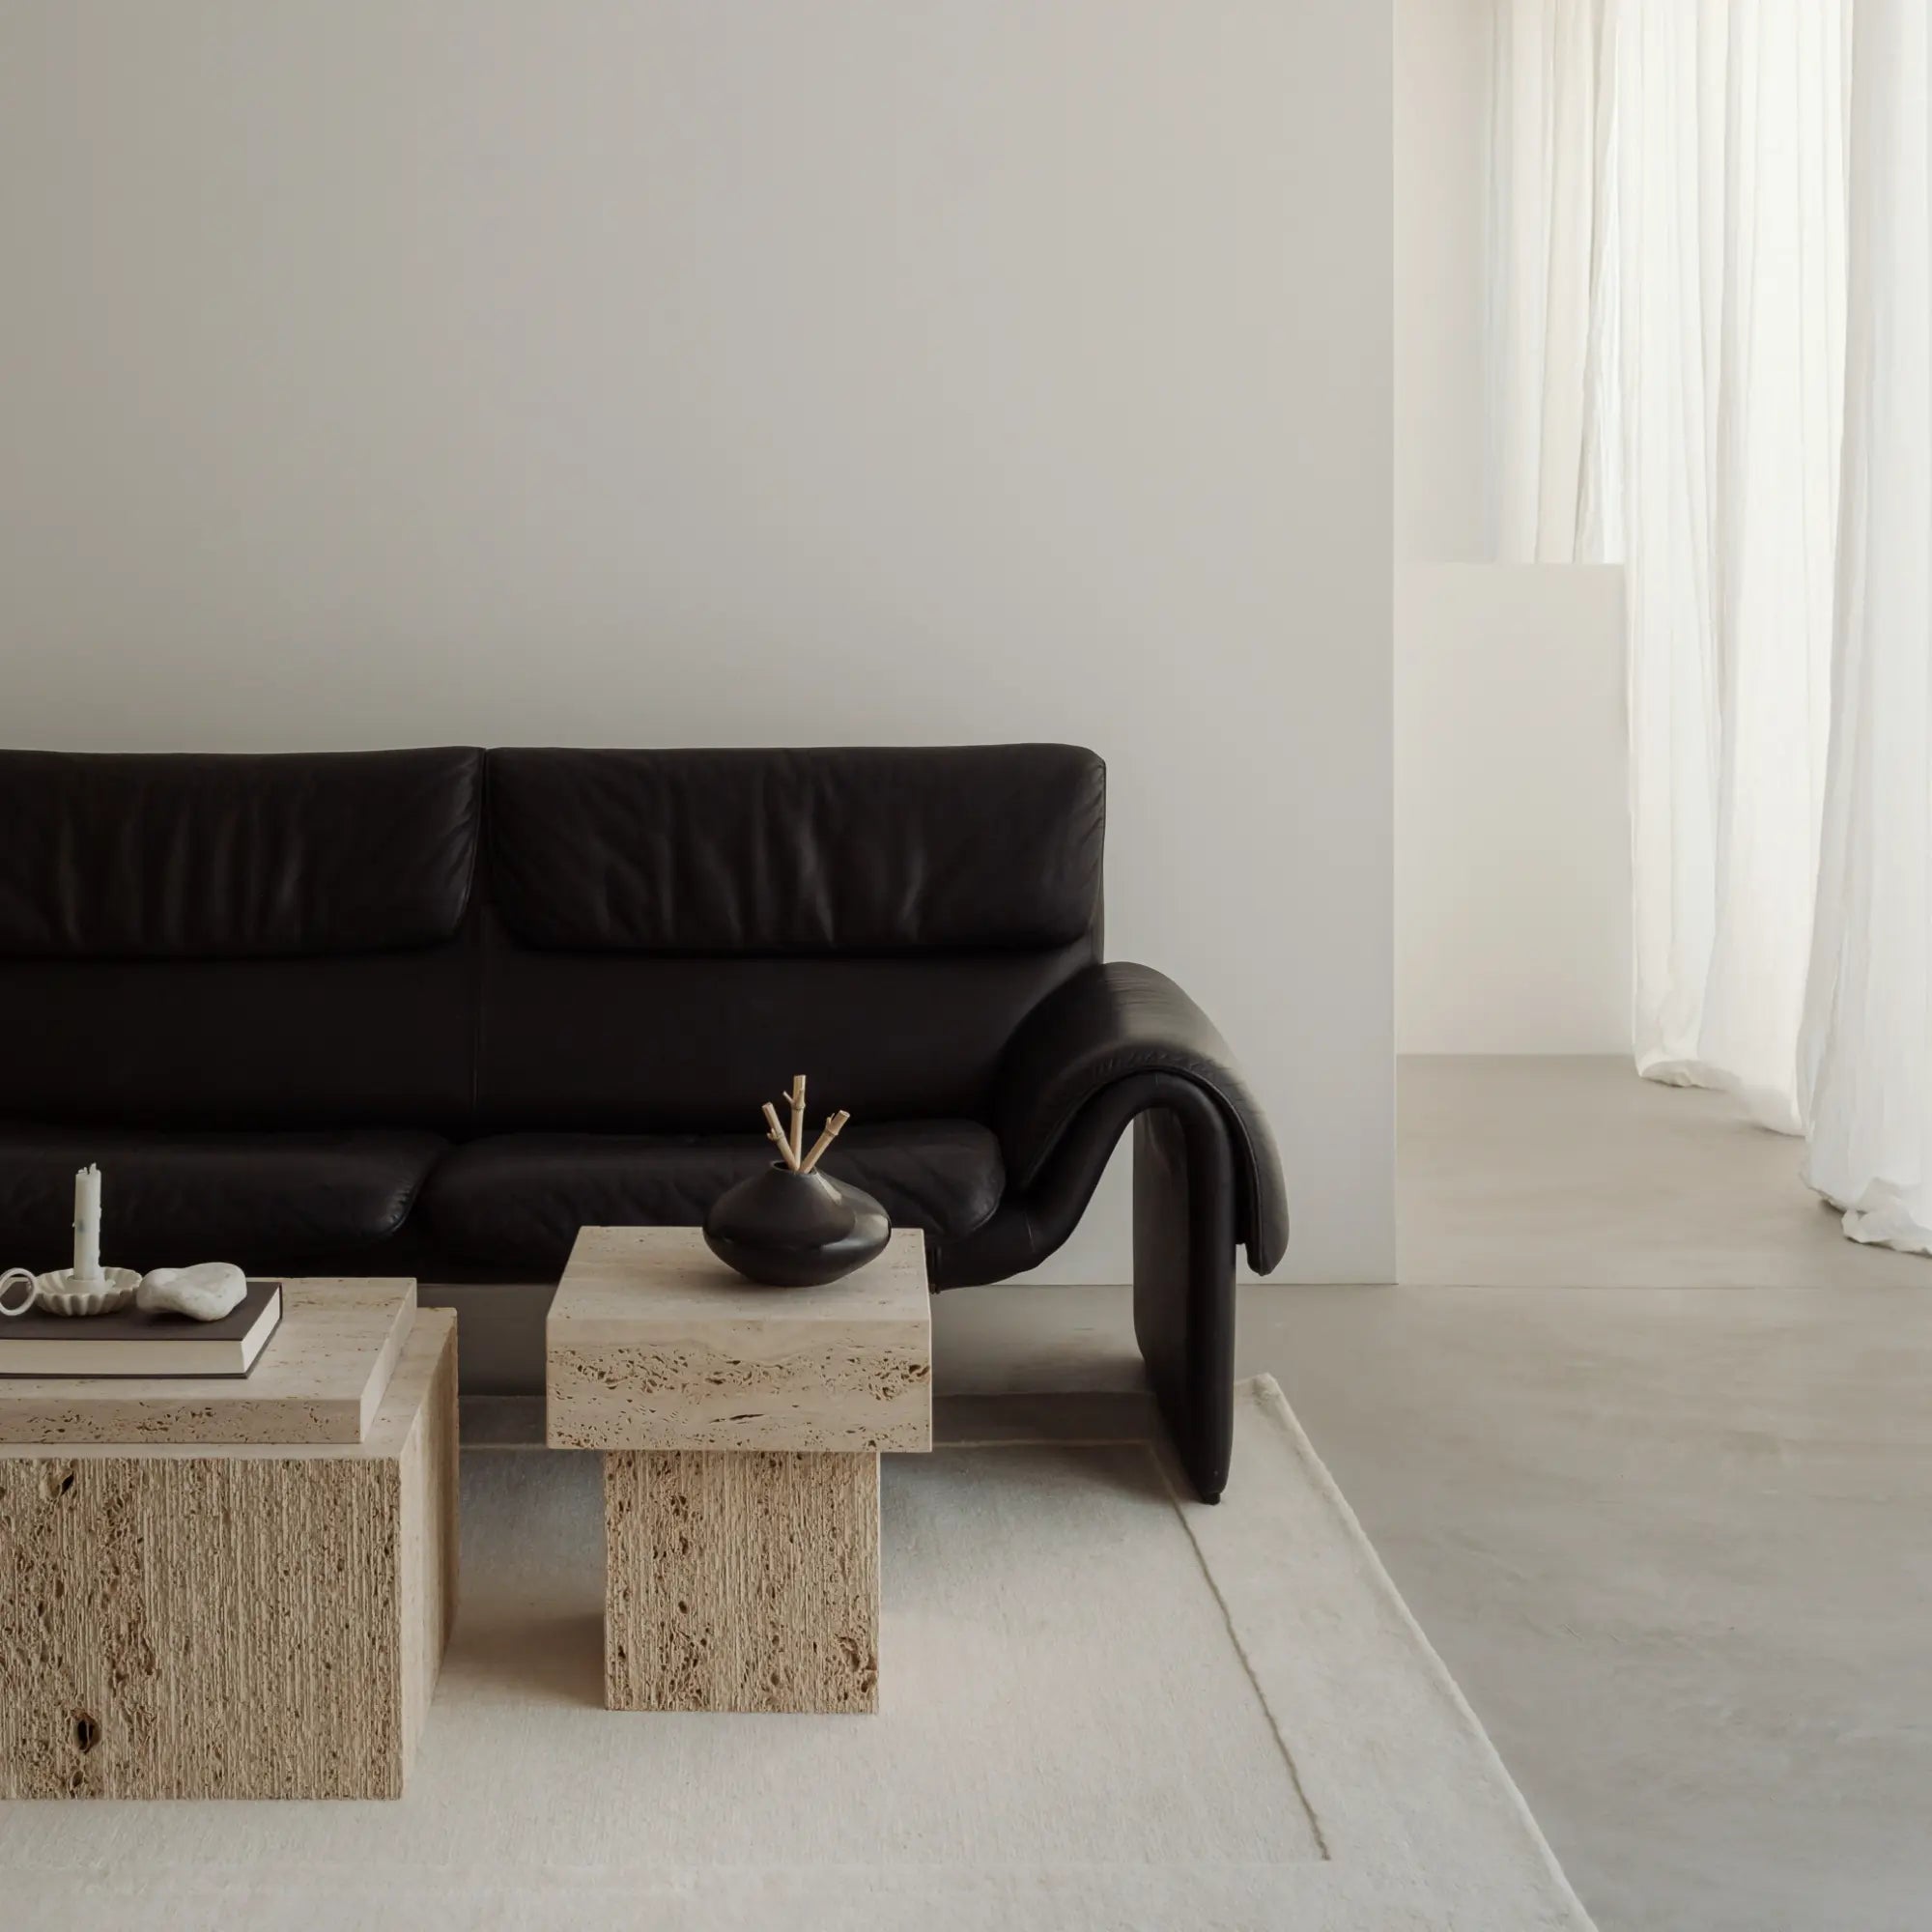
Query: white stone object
pixel 64 1292
pixel 207 1291
pixel 87 1227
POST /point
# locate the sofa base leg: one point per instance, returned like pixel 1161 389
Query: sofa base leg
pixel 1184 1276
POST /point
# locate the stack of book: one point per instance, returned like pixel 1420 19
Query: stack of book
pixel 133 1342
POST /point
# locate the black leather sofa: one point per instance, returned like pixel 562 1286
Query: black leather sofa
pixel 429 1012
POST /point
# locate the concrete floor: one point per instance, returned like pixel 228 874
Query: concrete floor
pixel 1645 1444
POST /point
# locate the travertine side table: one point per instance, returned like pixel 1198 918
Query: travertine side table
pixel 741 1429
pixel 233 1588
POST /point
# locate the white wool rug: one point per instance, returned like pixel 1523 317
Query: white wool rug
pixel 1105 1708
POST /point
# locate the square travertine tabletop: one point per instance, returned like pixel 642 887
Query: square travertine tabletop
pixel 320 1378
pixel 653 1342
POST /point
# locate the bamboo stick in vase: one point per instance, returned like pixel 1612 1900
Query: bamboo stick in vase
pixel 797 1119
pixel 777 1135
pixel 825 1140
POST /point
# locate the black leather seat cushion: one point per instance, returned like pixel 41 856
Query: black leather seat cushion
pixel 169 1199
pixel 519 1199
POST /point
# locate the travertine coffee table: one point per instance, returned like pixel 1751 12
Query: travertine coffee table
pixel 233 1588
pixel 741 1427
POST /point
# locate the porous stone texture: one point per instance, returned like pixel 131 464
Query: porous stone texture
pixel 652 1343
pixel 741 1581
pixel 761 1392
pixel 320 1378
pixel 237 1623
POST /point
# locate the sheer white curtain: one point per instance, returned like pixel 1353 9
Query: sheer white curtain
pixel 1712 282
pixel 1542 213
pixel 1667 333
pixel 1867 1061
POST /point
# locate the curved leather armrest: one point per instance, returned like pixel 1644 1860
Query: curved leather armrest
pixel 1107 1024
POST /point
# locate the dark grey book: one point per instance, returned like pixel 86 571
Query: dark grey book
pixel 132 1342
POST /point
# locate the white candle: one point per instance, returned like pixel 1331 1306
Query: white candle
pixel 87 1223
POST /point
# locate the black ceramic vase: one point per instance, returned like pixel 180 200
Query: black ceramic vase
pixel 786 1229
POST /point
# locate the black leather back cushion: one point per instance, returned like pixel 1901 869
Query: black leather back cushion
pixel 149 857
pixel 210 941
pixel 634 1042
pixel 674 964
pixel 878 850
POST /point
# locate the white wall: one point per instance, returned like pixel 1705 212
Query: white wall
pixel 1442 67
pixel 1511 824
pixel 391 371
pixel 1512 839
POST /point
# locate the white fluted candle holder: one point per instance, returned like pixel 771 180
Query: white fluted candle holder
pixel 64 1293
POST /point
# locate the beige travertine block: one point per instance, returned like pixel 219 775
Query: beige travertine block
pixel 741 1581
pixel 239 1622
pixel 655 1344
pixel 322 1379
pixel 741 1427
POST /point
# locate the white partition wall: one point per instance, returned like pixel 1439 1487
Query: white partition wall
pixel 1513 899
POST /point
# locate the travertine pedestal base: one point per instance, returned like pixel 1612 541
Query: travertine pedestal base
pixel 741 1580
pixel 244 1622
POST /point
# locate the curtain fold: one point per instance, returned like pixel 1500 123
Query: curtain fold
pixel 1866 1060
pixel 1544 139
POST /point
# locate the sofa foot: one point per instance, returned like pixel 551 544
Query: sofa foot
pixel 1184 1276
